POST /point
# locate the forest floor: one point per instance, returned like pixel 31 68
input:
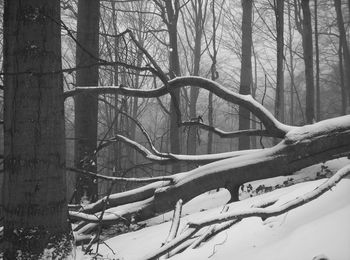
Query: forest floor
pixel 317 229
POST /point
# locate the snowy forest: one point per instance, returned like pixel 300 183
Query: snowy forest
pixel 180 129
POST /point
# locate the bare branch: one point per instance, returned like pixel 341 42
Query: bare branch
pixel 224 134
pixel 271 124
pixel 120 179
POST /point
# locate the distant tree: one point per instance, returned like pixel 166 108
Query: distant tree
pixel 279 99
pixel 34 189
pixel 194 18
pixel 246 70
pixel 87 52
pixel 308 61
pixel 170 10
pixel 344 44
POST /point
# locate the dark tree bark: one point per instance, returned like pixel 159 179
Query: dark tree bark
pixel 85 104
pixel 344 96
pixel 214 76
pixel 199 19
pixel 174 68
pixel 344 43
pixel 291 65
pixel 308 61
pixel 279 99
pixel 317 54
pixel 246 70
pixel 34 188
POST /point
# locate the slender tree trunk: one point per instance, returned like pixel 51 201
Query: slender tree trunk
pixel 308 61
pixel 210 122
pixel 34 189
pixel 214 76
pixel 317 54
pixel 174 67
pixel 86 105
pixel 194 92
pixel 291 64
pixel 246 70
pixel 344 95
pixel 345 45
pixel 279 100
pixel 253 139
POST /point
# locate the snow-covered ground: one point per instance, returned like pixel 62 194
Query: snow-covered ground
pixel 319 228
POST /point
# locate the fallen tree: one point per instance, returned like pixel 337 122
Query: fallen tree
pixel 300 147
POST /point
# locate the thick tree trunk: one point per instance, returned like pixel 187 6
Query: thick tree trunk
pixel 86 104
pixel 246 70
pixel 308 61
pixel 34 188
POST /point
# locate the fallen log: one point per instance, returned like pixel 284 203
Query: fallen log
pixel 301 147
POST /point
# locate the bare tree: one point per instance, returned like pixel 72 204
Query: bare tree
pixel 308 61
pixel 279 99
pixel 246 70
pixel 344 44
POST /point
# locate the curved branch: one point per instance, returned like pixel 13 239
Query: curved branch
pixel 272 125
pixel 169 158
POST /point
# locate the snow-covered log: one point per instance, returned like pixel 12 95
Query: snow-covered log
pixel 301 147
pixel 237 215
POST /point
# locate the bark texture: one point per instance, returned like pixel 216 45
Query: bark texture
pixel 308 61
pixel 34 188
pixel 86 104
pixel 246 70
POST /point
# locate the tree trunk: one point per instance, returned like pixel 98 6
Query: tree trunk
pixel 344 96
pixel 291 66
pixel 279 99
pixel 308 61
pixel 344 42
pixel 194 92
pixel 34 188
pixel 246 70
pixel 214 76
pixel 86 105
pixel 317 54
pixel 174 68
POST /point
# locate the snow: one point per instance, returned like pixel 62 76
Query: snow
pixel 322 127
pixel 319 228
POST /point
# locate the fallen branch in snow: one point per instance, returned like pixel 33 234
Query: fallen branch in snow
pixel 175 223
pixel 302 147
pixel 264 213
